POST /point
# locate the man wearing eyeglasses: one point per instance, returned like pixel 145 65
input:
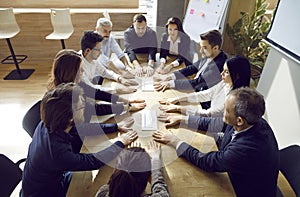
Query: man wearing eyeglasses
pixel 93 71
pixel 139 38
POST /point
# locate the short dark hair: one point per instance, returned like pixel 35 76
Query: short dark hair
pixel 139 18
pixel 56 106
pixel 250 104
pixel 133 169
pixel 90 39
pixel 213 37
pixel 176 21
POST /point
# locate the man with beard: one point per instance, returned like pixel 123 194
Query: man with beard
pixel 206 71
pixel 108 45
pixel 139 38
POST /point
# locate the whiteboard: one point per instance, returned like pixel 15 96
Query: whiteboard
pixel 203 16
pixel 285 28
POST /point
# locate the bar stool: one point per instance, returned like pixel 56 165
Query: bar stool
pixel 8 29
pixel 62 25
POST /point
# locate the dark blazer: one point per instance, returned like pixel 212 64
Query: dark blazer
pixel 146 44
pixel 183 48
pixel 50 155
pixel 251 158
pixel 208 78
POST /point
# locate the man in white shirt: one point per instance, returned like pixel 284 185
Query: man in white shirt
pixel 108 45
pixel 91 50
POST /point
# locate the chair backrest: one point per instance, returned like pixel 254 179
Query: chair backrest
pixel 61 20
pixel 10 176
pixel 8 23
pixel 32 118
pixel 290 166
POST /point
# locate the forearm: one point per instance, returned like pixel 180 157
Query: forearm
pixel 112 67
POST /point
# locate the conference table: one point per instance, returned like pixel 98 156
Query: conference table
pixel 182 178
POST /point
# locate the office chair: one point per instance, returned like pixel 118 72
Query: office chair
pixel 62 25
pixel 8 29
pixel 32 118
pixel 290 166
pixel 10 175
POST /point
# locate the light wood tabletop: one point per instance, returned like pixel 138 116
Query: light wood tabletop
pixel 182 178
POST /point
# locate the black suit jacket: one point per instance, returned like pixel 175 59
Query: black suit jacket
pixel 183 48
pixel 251 158
pixel 208 78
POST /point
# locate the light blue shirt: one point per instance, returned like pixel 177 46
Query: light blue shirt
pixel 107 47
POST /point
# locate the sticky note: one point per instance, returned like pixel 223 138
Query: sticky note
pixel 206 1
pixel 192 11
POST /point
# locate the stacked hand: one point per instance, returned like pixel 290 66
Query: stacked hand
pixel 136 107
pixel 170 108
pixel 149 71
pixel 169 101
pixel 127 74
pixel 158 77
pixel 127 82
pixel 154 150
pixel 164 69
pixel 170 120
pixel 127 138
pixel 125 90
pixel 139 71
pixel 161 86
pixel 125 124
pixel 137 101
pixel 166 137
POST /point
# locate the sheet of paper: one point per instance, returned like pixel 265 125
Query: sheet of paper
pixel 149 120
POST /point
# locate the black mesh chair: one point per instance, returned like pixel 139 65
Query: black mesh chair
pixel 290 166
pixel 32 118
pixel 10 175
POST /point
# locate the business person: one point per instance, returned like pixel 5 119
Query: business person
pixel 134 168
pixel 248 151
pixel 109 45
pixel 92 69
pixel 141 39
pixel 50 158
pixel 175 43
pixel 67 67
pixel 236 73
pixel 207 70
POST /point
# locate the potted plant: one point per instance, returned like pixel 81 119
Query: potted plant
pixel 247 35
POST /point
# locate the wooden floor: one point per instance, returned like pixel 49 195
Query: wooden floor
pixel 16 98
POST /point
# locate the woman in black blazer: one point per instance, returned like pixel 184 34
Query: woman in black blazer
pixel 174 43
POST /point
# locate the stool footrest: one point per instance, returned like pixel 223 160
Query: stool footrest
pixel 10 59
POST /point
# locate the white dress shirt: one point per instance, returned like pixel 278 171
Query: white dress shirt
pixel 215 94
pixel 94 69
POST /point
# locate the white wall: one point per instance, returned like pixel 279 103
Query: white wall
pixel 280 85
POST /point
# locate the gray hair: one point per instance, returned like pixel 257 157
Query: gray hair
pixel 103 22
pixel 249 104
